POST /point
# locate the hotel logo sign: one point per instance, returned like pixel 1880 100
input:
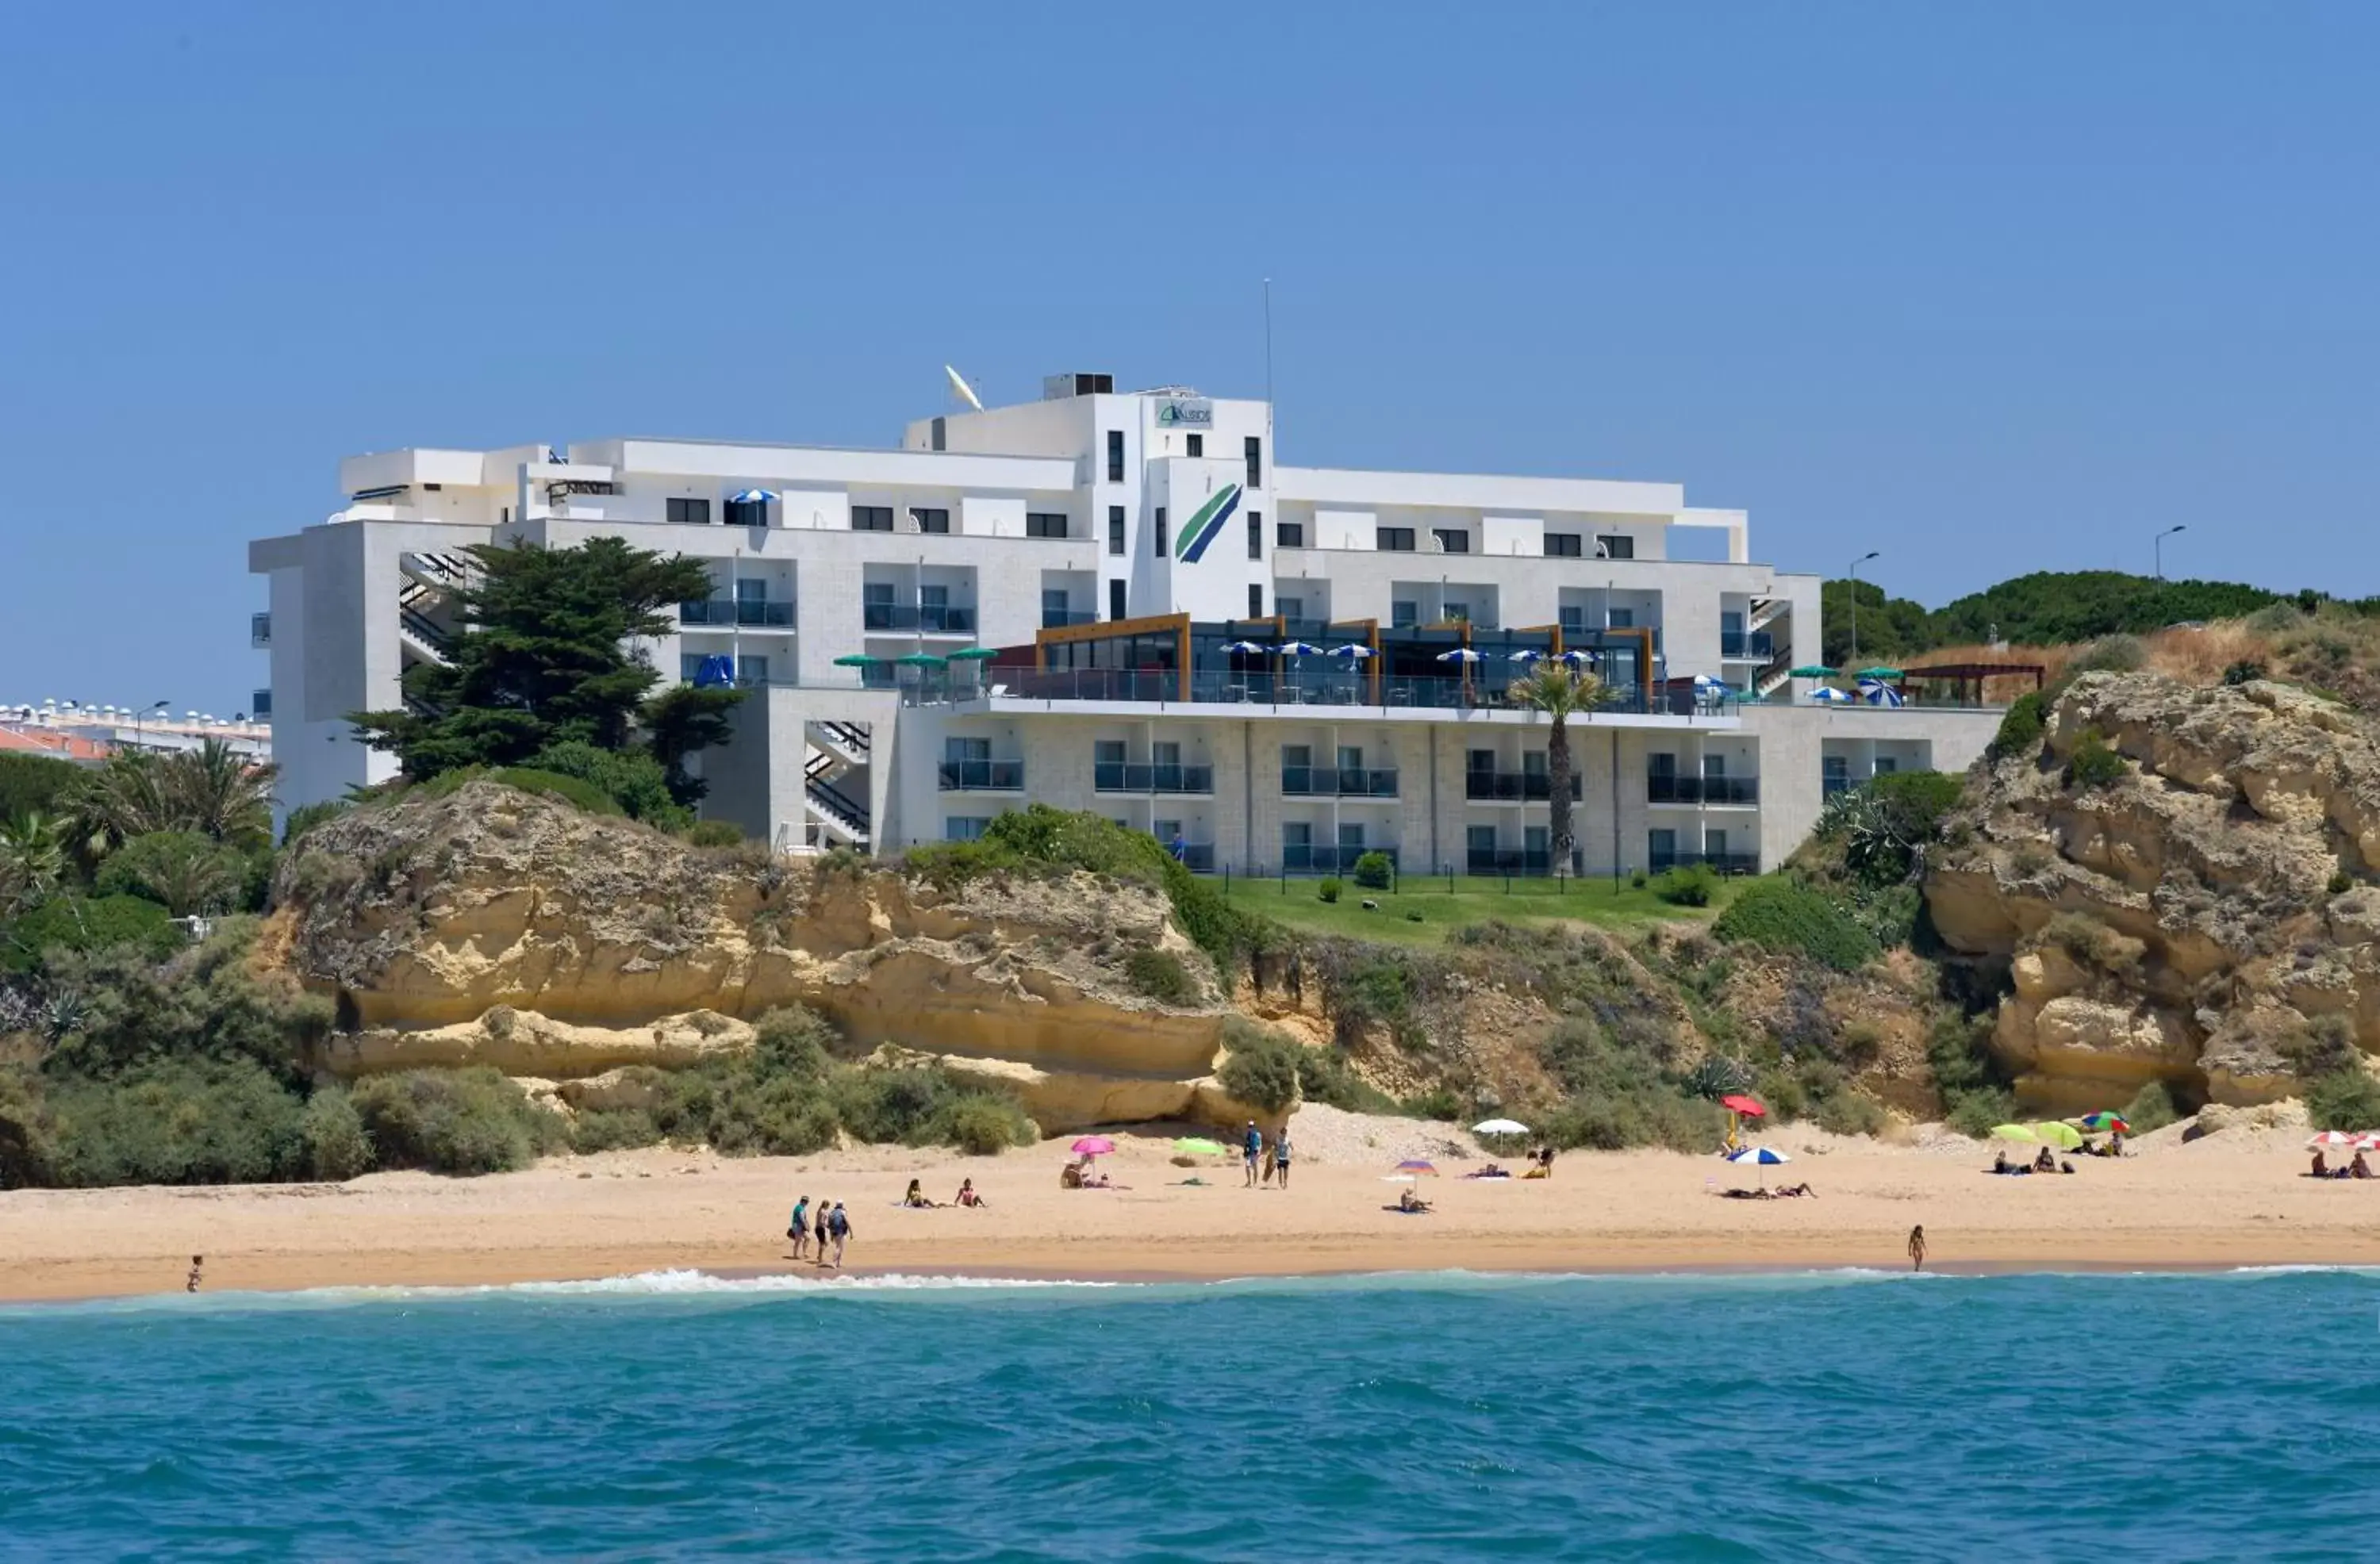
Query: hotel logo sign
pixel 1184 412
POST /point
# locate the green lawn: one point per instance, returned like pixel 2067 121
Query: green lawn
pixel 1471 901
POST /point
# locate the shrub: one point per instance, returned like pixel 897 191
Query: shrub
pixel 1329 890
pixel 35 784
pixel 577 792
pixel 128 1009
pixel 714 834
pixel 1977 1112
pixel 631 779
pixel 176 1122
pixel 1688 885
pixel 1160 976
pixel 1325 1075
pixel 1412 914
pixel 183 871
pixel 2092 764
pixel 84 924
pixel 2323 1044
pixel 306 816
pixel 1637 880
pixel 2340 884
pixel 2245 671
pixel 613 1129
pixel 2344 1099
pixel 1849 1112
pixel 1262 1068
pixel 984 1123
pixel 1967 1075
pixel 1718 1075
pixel 1787 917
pixel 2110 654
pixel 2021 729
pixel 792 1040
pixel 470 1121
pixel 2152 1108
pixel 338 1148
pixel 1373 871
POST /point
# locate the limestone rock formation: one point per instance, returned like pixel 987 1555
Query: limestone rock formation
pixel 496 927
pixel 2195 919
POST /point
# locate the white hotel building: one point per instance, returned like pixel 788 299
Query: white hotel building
pixel 1068 580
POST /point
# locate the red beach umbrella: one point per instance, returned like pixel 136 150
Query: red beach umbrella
pixel 1737 1102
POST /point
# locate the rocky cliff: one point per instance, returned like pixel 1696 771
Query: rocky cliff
pixel 2202 910
pixel 497 926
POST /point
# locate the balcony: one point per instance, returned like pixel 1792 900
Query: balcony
pixel 1515 787
pixel 1116 776
pixel 932 619
pixel 1513 861
pixel 982 776
pixel 1725 863
pixel 1328 860
pixel 1061 618
pixel 1755 646
pixel 728 614
pixel 1701 790
pixel 1336 781
pixel 1199 857
pixel 259 630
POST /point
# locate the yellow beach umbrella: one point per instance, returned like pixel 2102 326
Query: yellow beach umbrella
pixel 2016 1133
pixel 2066 1137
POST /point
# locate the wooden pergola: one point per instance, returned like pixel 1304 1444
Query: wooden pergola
pixel 1971 682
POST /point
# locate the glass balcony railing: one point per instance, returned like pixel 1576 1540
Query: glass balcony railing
pixel 1115 776
pixel 737 613
pixel 1514 860
pixel 982 776
pixel 1702 790
pixel 1328 860
pixel 1336 781
pixel 933 619
pixel 1725 863
pixel 1061 618
pixel 1747 644
pixel 1515 786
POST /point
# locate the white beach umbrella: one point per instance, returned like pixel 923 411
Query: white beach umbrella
pixel 1298 649
pixel 2333 1140
pixel 1351 651
pixel 1250 649
pixel 1828 695
pixel 752 496
pixel 1759 1157
pixel 1525 655
pixel 1500 1127
pixel 1460 654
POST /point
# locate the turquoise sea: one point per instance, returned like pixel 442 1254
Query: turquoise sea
pixel 1429 1416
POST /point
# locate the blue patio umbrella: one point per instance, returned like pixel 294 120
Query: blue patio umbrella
pixel 1350 651
pixel 751 496
pixel 1878 692
pixel 1525 655
pixel 1826 694
pixel 1580 656
pixel 1248 649
pixel 1759 1157
pixel 1705 682
pixel 716 671
pixel 1298 649
pixel 1460 654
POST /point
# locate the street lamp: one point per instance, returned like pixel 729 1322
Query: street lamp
pixel 2158 543
pixel 1872 553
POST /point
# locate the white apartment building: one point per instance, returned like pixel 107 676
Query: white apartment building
pixel 1120 602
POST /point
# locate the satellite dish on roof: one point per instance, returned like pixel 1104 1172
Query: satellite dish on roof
pixel 965 392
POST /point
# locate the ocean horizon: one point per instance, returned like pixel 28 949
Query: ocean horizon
pixel 1449 1414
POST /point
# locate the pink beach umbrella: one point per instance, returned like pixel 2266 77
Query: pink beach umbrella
pixel 1094 1146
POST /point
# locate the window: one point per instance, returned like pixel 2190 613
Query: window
pixel 1479 759
pixel 1115 529
pixel 1289 535
pixel 690 666
pixel 1115 600
pixel 1255 535
pixel 1404 614
pixel 1885 765
pixel 1658 765
pixel 1045 524
pixel 1452 540
pixel 1255 448
pixel 1288 607
pixel 1351 840
pixel 1167 831
pixel 259 705
pixel 1562 545
pixel 751 590
pixel 871 519
pixel 1533 763
pixel 752 670
pixel 1166 757
pixel 1054 608
pixel 688 512
pixel 1115 455
pixel 1393 540
pixel 964 828
pixel 1731 621
pixel 1457 610
pixel 1714 768
pixel 959 750
pixel 748 512
pixel 1480 840
pixel 1615 545
pixel 1715 843
pixel 1622 619
pixel 1662 845
pixel 1573 620
pixel 1834 775
pixel 1255 601
pixel 1296 836
pixel 933 607
pixel 1535 844
pixel 929 519
pixel 1157 537
pixel 1197 445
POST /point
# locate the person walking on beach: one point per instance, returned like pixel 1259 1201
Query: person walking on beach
pixel 840 1225
pixel 800 1229
pixel 1281 1154
pixel 192 1284
pixel 821 1225
pixel 1917 1248
pixel 1251 1149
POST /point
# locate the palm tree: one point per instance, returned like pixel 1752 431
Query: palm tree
pixel 1561 692
pixel 119 801
pixel 210 790
pixel 33 861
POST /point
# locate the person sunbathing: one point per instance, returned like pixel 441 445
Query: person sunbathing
pixel 915 1199
pixel 1793 1191
pixel 1070 1176
pixel 2358 1168
pixel 1746 1194
pixel 2047 1162
pixel 1410 1202
pixel 1489 1172
pixel 2001 1163
pixel 968 1197
pixel 2321 1168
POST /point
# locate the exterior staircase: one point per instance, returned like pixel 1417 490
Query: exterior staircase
pixel 1767 614
pixel 834 771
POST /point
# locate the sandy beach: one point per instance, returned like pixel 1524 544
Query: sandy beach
pixel 2227 1200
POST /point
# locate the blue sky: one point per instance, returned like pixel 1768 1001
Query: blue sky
pixel 1988 288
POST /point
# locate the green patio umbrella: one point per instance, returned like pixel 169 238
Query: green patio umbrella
pixel 858 660
pixel 974 654
pixel 1879 673
pixel 922 660
pixel 1814 670
pixel 1198 1145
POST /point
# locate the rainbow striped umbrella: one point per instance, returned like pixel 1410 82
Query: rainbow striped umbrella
pixel 2103 1123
